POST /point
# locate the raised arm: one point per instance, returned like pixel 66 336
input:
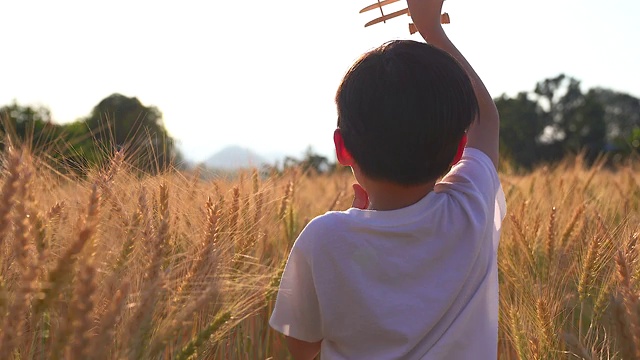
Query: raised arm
pixel 483 133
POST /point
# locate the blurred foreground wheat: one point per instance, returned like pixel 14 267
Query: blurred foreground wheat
pixel 569 263
pixel 116 265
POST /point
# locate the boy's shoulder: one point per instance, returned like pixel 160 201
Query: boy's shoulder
pixel 324 232
pixel 325 224
pixel 327 221
pixel 474 172
pixel 476 162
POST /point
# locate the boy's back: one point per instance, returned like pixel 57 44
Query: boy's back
pixel 414 283
pixel 414 274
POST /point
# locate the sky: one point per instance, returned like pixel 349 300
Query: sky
pixel 263 74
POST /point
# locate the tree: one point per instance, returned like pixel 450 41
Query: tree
pixel 521 126
pixel 120 122
pixel 558 118
pixel 575 120
pixel 587 130
pixel 116 123
pixel 621 116
pixel 311 162
pixel 29 125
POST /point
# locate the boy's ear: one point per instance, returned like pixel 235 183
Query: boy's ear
pixel 461 146
pixel 344 157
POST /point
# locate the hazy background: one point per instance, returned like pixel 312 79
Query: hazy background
pixel 262 74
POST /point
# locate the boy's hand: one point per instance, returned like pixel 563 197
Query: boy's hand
pixel 303 350
pixel 361 199
pixel 426 15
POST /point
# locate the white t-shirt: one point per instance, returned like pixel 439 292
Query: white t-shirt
pixel 419 282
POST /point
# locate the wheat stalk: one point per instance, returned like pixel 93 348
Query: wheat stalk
pixel 207 257
pixel 550 244
pixel 588 267
pixel 9 189
pixel 189 349
pixel 180 318
pixel 141 323
pixel 568 230
pixel 82 307
pixel 14 322
pixel 545 325
pixel 60 274
pixel 107 325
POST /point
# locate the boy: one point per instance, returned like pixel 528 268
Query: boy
pixel 410 271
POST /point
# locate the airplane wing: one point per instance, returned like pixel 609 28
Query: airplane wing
pixel 378 5
pixel 387 17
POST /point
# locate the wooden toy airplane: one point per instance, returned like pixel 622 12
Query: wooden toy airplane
pixel 378 5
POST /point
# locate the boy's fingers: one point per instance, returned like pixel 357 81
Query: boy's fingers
pixel 425 13
pixel 361 199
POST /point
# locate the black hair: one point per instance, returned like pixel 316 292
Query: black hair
pixel 402 111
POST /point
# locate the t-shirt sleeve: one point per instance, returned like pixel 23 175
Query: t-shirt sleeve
pixel 296 313
pixel 475 175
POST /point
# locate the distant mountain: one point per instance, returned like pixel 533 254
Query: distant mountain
pixel 235 157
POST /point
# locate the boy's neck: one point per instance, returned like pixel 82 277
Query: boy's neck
pixel 385 196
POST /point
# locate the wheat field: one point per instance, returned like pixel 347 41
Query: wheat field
pixel 117 265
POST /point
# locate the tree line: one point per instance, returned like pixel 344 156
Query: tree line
pixel 555 119
pixel 117 123
pixel 558 118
